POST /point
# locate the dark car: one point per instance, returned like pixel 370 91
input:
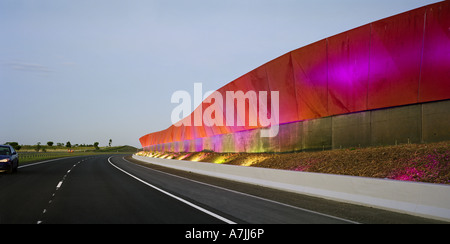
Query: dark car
pixel 9 159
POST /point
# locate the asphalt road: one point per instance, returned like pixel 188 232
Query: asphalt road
pixel 108 189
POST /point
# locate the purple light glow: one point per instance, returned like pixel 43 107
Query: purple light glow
pixel 430 168
pixel 400 60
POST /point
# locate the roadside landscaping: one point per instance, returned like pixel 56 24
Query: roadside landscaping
pixel 428 162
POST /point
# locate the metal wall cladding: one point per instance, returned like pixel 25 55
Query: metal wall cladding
pixel 400 60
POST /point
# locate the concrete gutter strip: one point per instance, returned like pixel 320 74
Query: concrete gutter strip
pixel 421 199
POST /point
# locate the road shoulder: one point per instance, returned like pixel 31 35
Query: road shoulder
pixel 357 213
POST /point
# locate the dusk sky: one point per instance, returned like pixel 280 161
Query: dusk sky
pixel 92 70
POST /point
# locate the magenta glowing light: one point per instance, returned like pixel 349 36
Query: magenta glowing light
pixel 429 168
pixel 400 60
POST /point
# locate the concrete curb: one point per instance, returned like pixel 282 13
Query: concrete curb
pixel 420 199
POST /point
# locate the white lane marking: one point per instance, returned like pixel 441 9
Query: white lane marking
pixel 173 196
pixel 42 162
pixel 59 185
pixel 46 161
pixel 248 195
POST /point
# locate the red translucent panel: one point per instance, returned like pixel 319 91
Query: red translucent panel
pixel 400 60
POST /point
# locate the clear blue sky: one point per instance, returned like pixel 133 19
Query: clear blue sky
pixel 93 70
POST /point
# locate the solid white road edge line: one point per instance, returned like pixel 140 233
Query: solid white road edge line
pixel 41 162
pixel 248 195
pixel 46 161
pixel 173 196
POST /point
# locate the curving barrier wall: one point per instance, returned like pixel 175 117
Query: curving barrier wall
pixel 382 83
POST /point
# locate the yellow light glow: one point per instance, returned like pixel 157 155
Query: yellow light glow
pixel 252 160
pixel 220 160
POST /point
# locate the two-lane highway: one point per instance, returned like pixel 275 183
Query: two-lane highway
pixel 87 190
pixel 110 189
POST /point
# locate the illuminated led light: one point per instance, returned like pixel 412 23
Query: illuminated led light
pixel 253 160
pixel 199 156
pixel 220 160
pixel 182 157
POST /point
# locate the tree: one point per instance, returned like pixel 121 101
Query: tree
pixel 50 143
pixel 96 145
pixel 110 142
pixel 68 144
pixel 38 147
pixel 14 144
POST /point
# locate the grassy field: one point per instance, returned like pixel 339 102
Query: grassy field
pixel 409 162
pixel 27 154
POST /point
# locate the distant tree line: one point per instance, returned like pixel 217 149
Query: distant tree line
pixel 50 144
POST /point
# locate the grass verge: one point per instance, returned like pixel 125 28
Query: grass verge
pixel 26 157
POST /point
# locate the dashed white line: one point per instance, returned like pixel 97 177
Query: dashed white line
pixel 59 185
